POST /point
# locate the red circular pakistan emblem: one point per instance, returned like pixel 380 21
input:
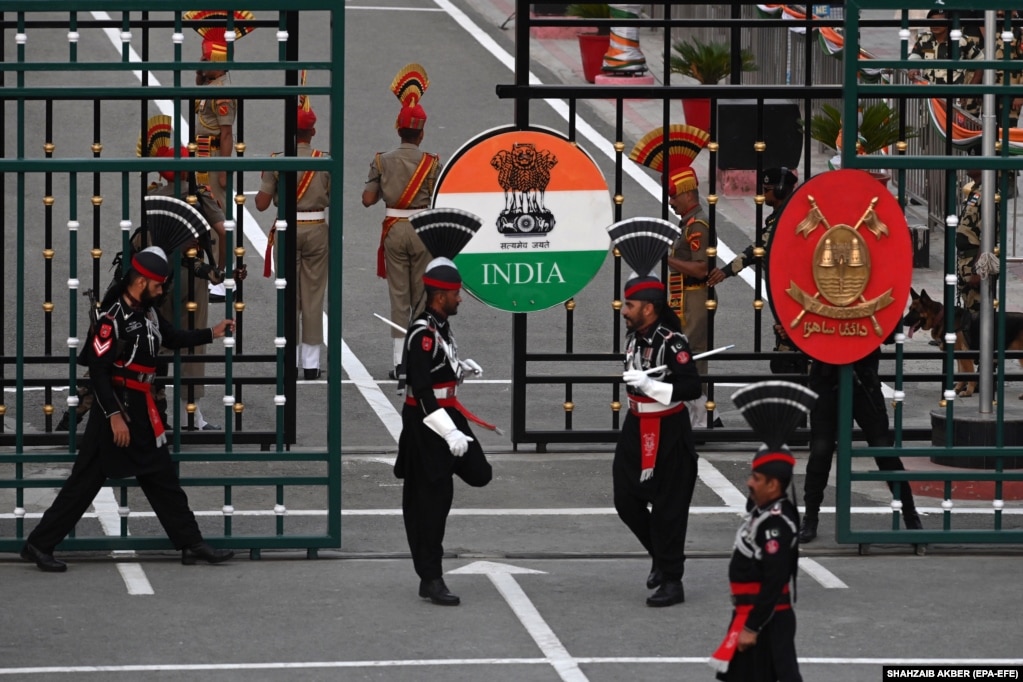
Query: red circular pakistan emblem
pixel 840 264
pixel 771 547
pixel 682 357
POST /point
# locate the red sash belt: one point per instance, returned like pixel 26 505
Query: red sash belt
pixel 741 593
pixel 455 403
pixel 650 434
pixel 147 389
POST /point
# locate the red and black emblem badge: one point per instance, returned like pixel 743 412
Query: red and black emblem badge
pixel 427 343
pixel 682 357
pixel 840 266
pixel 102 341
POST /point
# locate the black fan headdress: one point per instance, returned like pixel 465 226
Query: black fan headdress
pixel 173 223
pixel 774 410
pixel 445 231
pixel 643 243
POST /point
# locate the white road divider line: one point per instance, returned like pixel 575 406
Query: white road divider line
pixel 826 578
pixel 503 578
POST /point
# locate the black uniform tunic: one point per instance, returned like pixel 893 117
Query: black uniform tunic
pixel 763 562
pixel 424 459
pixel 657 510
pixel 122 349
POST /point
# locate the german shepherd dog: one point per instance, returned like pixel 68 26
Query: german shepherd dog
pixel 929 315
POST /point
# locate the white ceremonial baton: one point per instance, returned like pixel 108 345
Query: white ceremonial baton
pixel 398 326
pixel 698 356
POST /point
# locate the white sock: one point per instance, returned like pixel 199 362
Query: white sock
pixel 398 345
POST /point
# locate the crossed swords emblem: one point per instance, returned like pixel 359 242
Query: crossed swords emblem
pixel 841 268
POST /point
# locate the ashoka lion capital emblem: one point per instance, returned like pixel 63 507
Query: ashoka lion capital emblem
pixel 841 269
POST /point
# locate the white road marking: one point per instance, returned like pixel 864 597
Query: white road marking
pixel 826 578
pixel 132 574
pixel 717 482
pixel 369 389
pixel 503 577
pixel 445 662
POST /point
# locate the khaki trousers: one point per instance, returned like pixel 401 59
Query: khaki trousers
pixel 406 259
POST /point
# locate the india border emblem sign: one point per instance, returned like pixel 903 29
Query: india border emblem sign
pixel 545 208
pixel 840 265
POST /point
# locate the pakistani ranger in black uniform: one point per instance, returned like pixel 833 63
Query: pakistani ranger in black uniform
pixel 125 435
pixel 654 469
pixel 760 643
pixel 436 442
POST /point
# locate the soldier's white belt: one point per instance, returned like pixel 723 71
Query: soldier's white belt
pixel 652 408
pixel 402 212
pixel 311 216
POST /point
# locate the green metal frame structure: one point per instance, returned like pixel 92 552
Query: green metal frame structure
pixel 847 453
pixel 217 467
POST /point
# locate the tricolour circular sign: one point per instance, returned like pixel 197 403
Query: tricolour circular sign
pixel 840 264
pixel 545 208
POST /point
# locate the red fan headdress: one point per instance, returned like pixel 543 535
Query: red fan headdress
pixel 214 38
pixel 408 86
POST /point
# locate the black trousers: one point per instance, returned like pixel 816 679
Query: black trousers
pixel 426 501
pixel 162 488
pixel 869 411
pixel 657 510
pixel 774 656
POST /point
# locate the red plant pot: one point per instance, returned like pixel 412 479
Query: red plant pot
pixel 697 112
pixel 593 47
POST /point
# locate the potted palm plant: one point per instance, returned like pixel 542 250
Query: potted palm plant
pixel 592 46
pixel 877 130
pixel 706 63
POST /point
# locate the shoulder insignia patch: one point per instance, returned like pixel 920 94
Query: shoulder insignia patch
pixel 222 109
pixel 102 341
pixel 682 357
pixel 771 547
pixel 427 343
pixel 694 242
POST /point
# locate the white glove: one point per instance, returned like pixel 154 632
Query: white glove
pixel 471 366
pixel 637 379
pixel 458 442
pixel 439 421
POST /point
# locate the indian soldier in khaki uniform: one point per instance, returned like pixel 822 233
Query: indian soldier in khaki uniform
pixel 688 270
pixel 404 178
pixel 195 273
pixel 312 240
pixel 214 116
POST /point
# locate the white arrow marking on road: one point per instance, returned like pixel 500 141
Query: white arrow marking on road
pixel 502 575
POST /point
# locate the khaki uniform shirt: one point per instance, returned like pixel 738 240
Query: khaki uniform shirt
pixel 215 112
pixel 394 172
pixel 316 196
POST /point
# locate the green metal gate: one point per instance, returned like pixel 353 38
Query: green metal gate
pixel 248 474
pixel 852 468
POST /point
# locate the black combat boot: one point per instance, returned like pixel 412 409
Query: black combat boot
pixel 669 593
pixel 653 580
pixel 437 592
pixel 200 550
pixel 808 529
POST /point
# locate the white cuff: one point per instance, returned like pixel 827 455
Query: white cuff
pixel 440 422
pixel 659 391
